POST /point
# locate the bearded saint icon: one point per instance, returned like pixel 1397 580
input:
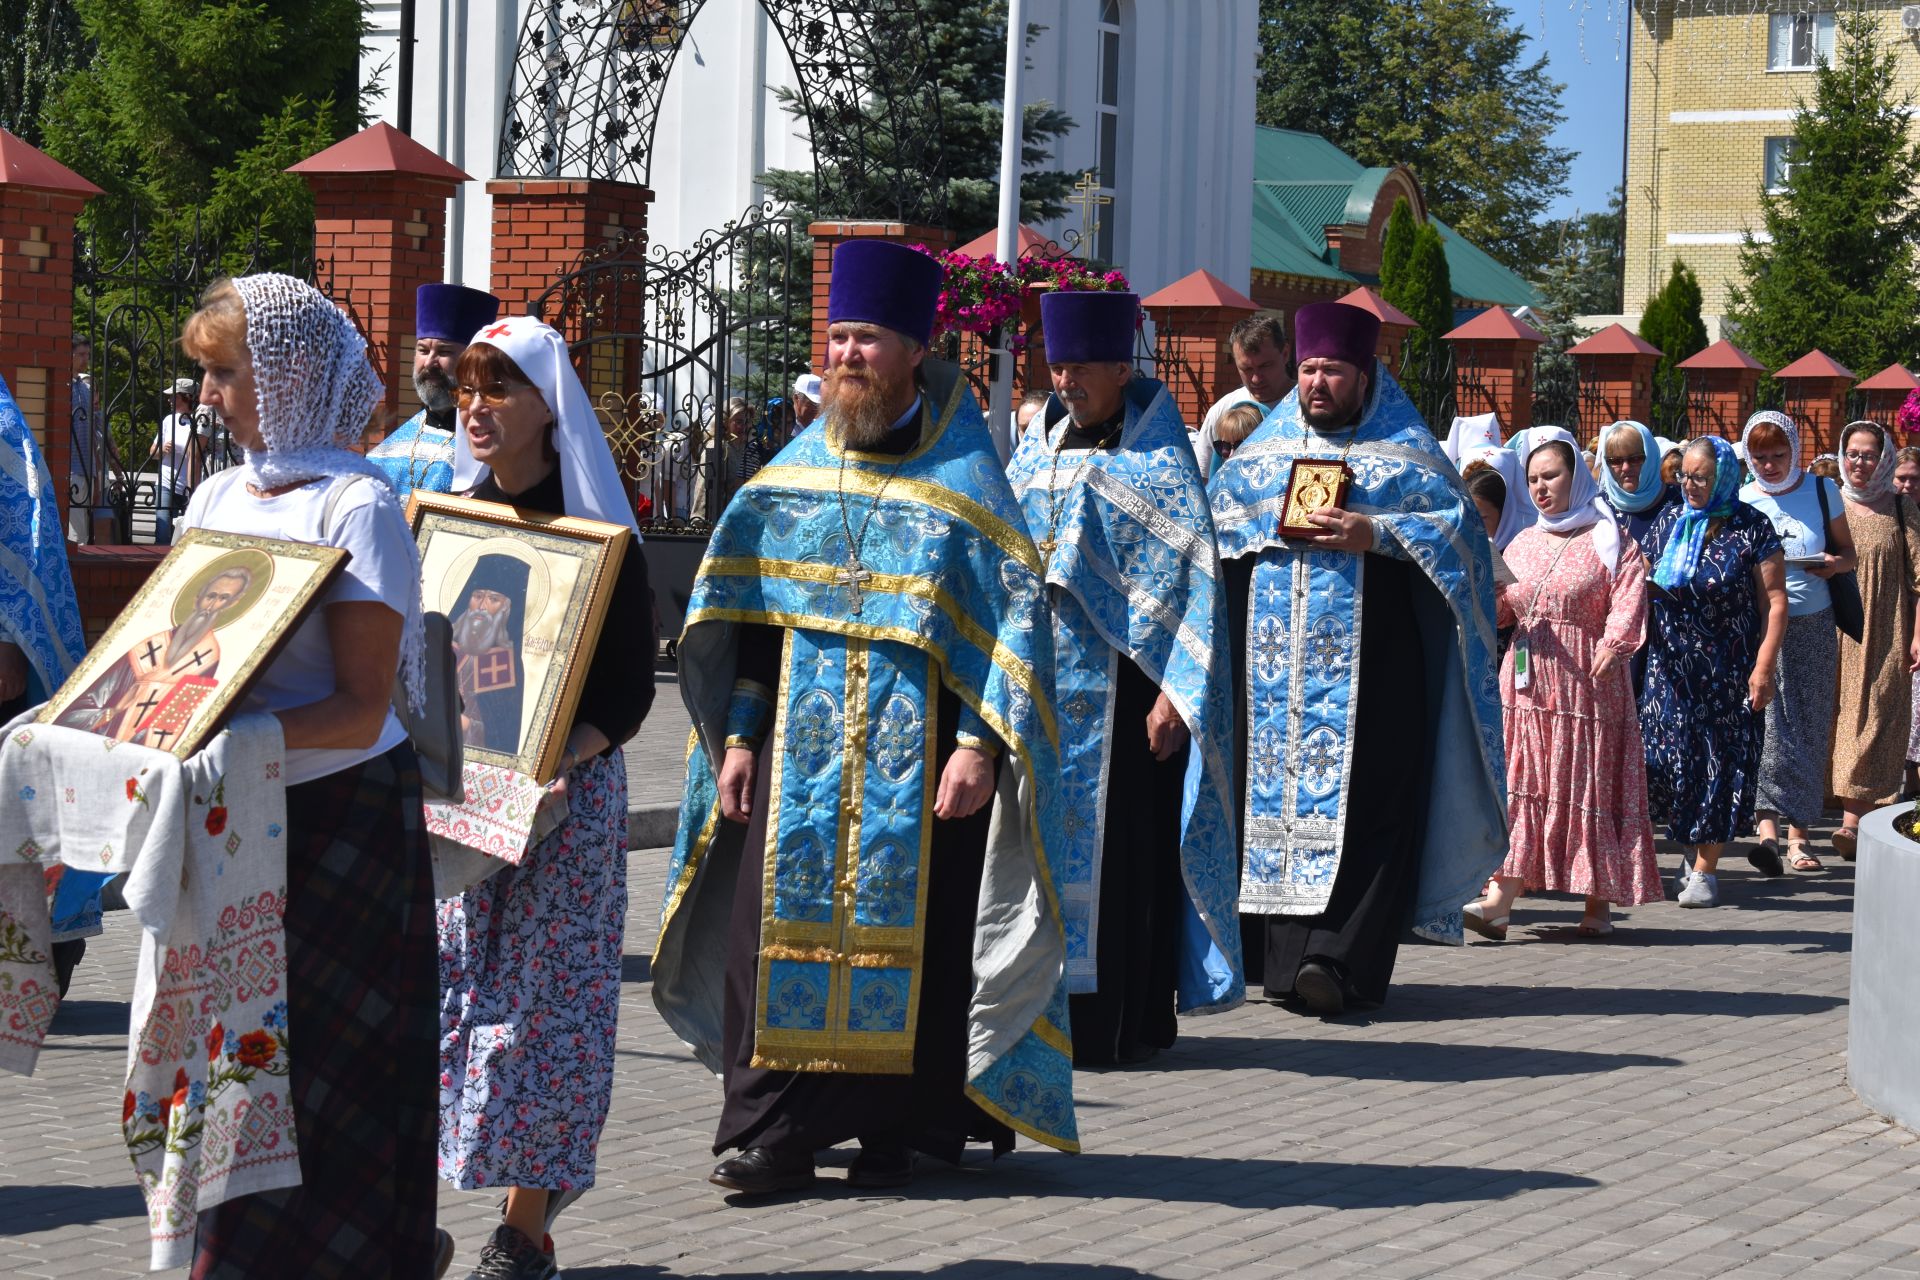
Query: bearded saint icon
pixel 486 648
pixel 149 696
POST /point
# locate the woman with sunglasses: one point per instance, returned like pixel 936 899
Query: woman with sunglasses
pixel 1718 614
pixel 1876 671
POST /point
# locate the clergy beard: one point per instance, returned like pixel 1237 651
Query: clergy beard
pixel 191 631
pixel 433 389
pixel 479 630
pixel 859 405
pixel 1341 416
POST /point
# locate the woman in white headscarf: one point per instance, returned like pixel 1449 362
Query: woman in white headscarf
pixel 290 377
pixel 530 957
pixel 1496 480
pixel 1576 773
pixel 1808 514
pixel 1870 731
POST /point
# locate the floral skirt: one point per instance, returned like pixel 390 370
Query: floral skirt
pixel 530 999
pixel 1799 733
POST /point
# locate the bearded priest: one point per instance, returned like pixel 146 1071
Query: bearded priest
pixel 419 453
pixel 1142 682
pixel 1360 588
pixel 860 933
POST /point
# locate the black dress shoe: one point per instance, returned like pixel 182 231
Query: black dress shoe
pixel 760 1170
pixel 877 1167
pixel 1321 989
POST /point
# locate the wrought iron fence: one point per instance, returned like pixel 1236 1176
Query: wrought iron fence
pixel 684 352
pixel 136 452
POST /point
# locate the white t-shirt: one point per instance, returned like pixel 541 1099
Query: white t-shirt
pixel 1203 439
pixel 176 429
pixel 1795 516
pixel 380 568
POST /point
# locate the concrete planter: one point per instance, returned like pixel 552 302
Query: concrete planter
pixel 1883 1021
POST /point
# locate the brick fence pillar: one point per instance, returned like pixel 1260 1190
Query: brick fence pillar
pixel 1395 325
pixel 1493 368
pixel 39 200
pixel 1816 397
pixel 1192 320
pixel 1615 368
pixel 1882 395
pixel 380 232
pixel 1722 388
pixel 828 236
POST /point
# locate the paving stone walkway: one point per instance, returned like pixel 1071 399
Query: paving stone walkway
pixel 1672 1102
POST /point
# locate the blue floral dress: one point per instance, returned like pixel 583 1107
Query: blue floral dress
pixel 1703 744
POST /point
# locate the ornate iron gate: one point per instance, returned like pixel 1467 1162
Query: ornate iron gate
pixel 673 344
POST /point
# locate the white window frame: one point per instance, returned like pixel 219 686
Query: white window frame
pixel 1776 153
pixel 1781 41
pixel 1106 124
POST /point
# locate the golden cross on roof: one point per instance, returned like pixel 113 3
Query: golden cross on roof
pixel 1087 196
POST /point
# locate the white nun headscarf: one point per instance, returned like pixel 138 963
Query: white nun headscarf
pixel 1586 505
pixel 1478 431
pixel 589 480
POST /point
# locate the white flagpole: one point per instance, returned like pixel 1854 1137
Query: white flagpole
pixel 1000 402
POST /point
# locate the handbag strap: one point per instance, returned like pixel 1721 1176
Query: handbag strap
pixel 335 492
pixel 1826 516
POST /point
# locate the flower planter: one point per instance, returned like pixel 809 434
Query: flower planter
pixel 1883 1019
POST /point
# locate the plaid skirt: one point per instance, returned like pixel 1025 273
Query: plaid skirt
pixel 361 996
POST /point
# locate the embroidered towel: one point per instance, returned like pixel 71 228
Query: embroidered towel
pixel 502 817
pixel 206 1114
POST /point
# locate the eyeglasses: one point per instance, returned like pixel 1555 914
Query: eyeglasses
pixel 1628 460
pixel 1695 481
pixel 1864 459
pixel 493 394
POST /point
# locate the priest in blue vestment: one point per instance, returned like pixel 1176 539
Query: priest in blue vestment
pixel 860 932
pixel 1150 873
pixel 40 642
pixel 1374 785
pixel 419 453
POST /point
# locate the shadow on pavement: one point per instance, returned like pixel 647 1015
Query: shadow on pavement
pixel 1415 1002
pixel 971 1269
pixel 91 1018
pixel 27 1209
pixel 1387 1060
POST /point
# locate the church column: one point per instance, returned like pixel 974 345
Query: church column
pixel 39 200
pixel 1493 368
pixel 1615 368
pixel 1193 321
pixel 379 233
pixel 1816 397
pixel 828 236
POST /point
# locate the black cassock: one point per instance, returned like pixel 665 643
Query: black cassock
pixel 1387 789
pixel 1143 899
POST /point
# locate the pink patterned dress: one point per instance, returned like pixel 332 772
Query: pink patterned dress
pixel 1576 771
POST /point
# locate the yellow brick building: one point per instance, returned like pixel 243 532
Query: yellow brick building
pixel 1710 100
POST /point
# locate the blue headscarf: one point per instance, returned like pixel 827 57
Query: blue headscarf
pixel 1647 495
pixel 1682 554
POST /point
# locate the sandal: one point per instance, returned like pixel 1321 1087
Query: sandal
pixel 1800 858
pixel 1474 917
pixel 1595 927
pixel 1846 842
pixel 1765 858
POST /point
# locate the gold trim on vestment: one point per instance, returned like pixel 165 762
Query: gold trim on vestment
pixel 986 1104
pixel 1007 537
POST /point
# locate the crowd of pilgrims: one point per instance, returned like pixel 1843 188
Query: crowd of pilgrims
pixel 1014 744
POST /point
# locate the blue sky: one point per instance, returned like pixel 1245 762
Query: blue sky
pixel 1594 69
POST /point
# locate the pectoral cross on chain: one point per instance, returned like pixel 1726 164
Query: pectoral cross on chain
pixel 853 576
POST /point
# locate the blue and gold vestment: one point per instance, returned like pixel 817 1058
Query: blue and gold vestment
pixel 416 456
pixel 1303 658
pixel 1134 574
pixel 949 596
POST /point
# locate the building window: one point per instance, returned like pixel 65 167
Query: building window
pixel 1106 124
pixel 1794 40
pixel 1779 162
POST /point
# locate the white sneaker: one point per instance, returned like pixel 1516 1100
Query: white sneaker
pixel 1702 890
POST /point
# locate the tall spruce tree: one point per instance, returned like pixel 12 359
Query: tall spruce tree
pixel 1441 86
pixel 1672 323
pixel 1836 269
pixel 1396 246
pixel 1426 295
pixel 40 41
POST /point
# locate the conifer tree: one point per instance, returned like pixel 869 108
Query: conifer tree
pixel 1837 267
pixel 1395 248
pixel 1426 295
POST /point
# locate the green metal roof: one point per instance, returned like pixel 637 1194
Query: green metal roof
pixel 1303 184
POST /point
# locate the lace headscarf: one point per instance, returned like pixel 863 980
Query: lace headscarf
pixel 1787 428
pixel 316 391
pixel 1880 484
